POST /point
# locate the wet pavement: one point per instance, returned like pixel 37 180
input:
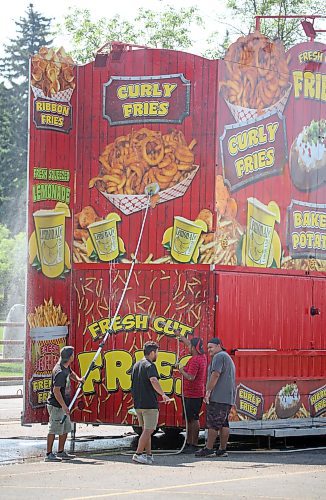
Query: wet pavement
pixel 18 444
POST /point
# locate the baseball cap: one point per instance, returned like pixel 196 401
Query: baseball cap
pixel 197 343
pixel 217 341
pixel 66 352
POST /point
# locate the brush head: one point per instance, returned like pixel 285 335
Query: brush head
pixel 152 189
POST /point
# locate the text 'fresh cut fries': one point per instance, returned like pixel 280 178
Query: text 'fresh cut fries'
pixel 144 157
pixel 257 73
pixel 52 71
pixel 47 314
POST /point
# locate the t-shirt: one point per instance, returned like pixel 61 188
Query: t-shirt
pixel 60 375
pixel 143 393
pixel 197 366
pixel 224 390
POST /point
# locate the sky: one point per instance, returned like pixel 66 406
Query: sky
pixel 100 8
pixel 213 12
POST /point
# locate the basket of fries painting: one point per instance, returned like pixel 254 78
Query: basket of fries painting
pixel 48 330
pixel 52 75
pixel 257 80
pixel 144 157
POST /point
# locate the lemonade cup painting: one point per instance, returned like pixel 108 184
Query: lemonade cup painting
pixel 260 229
pixel 50 237
pixel 185 237
pixel 104 236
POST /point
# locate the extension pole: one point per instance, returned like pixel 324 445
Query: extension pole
pixel 109 331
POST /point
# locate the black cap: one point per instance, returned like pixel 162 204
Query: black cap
pixel 217 341
pixel 197 343
pixel 66 352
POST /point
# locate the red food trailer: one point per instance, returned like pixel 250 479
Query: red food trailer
pixel 234 242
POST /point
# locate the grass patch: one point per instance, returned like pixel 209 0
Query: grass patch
pixel 1 338
pixel 11 369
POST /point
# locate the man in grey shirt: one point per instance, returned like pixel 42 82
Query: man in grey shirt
pixel 220 397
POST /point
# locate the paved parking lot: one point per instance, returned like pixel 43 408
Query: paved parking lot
pixel 268 475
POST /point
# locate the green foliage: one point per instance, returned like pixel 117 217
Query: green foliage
pixel 7 133
pixel 168 28
pixel 216 50
pixel 87 35
pixel 32 32
pixel 289 30
pixel 12 264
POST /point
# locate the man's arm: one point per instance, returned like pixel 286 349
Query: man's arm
pixel 75 377
pixel 186 375
pixel 183 339
pixel 210 385
pixel 59 398
pixel 156 385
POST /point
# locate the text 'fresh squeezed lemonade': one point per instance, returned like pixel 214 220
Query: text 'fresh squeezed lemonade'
pixel 50 237
pixel 260 229
pixel 185 237
pixel 104 236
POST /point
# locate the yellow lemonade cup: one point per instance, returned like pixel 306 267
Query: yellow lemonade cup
pixel 260 229
pixel 185 236
pixel 104 236
pixel 50 231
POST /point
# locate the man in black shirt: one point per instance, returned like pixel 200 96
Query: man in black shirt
pixel 144 388
pixel 57 405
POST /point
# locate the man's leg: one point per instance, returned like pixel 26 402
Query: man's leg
pixel 211 438
pixel 62 442
pixel 193 432
pixel 49 443
pixel 224 437
pixel 190 432
pixel 144 443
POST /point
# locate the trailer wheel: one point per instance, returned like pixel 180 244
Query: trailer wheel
pixel 171 432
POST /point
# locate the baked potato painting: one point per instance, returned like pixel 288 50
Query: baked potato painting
pixel 287 401
pixel 308 157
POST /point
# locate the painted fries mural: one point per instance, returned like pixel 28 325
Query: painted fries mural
pixel 236 150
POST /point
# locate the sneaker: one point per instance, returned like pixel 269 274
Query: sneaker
pixel 51 457
pixel 141 459
pixel 189 449
pixel 221 453
pixel 150 458
pixel 65 456
pixel 205 452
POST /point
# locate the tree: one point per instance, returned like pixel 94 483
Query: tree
pixel 33 31
pixel 8 177
pixel 168 28
pixel 289 30
pixel 12 266
pixel 216 50
pixel 88 35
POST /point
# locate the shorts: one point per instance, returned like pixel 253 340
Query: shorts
pixel 55 417
pixel 217 415
pixel 147 418
pixel 193 406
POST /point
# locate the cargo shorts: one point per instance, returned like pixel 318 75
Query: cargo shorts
pixel 147 418
pixel 217 415
pixel 55 417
